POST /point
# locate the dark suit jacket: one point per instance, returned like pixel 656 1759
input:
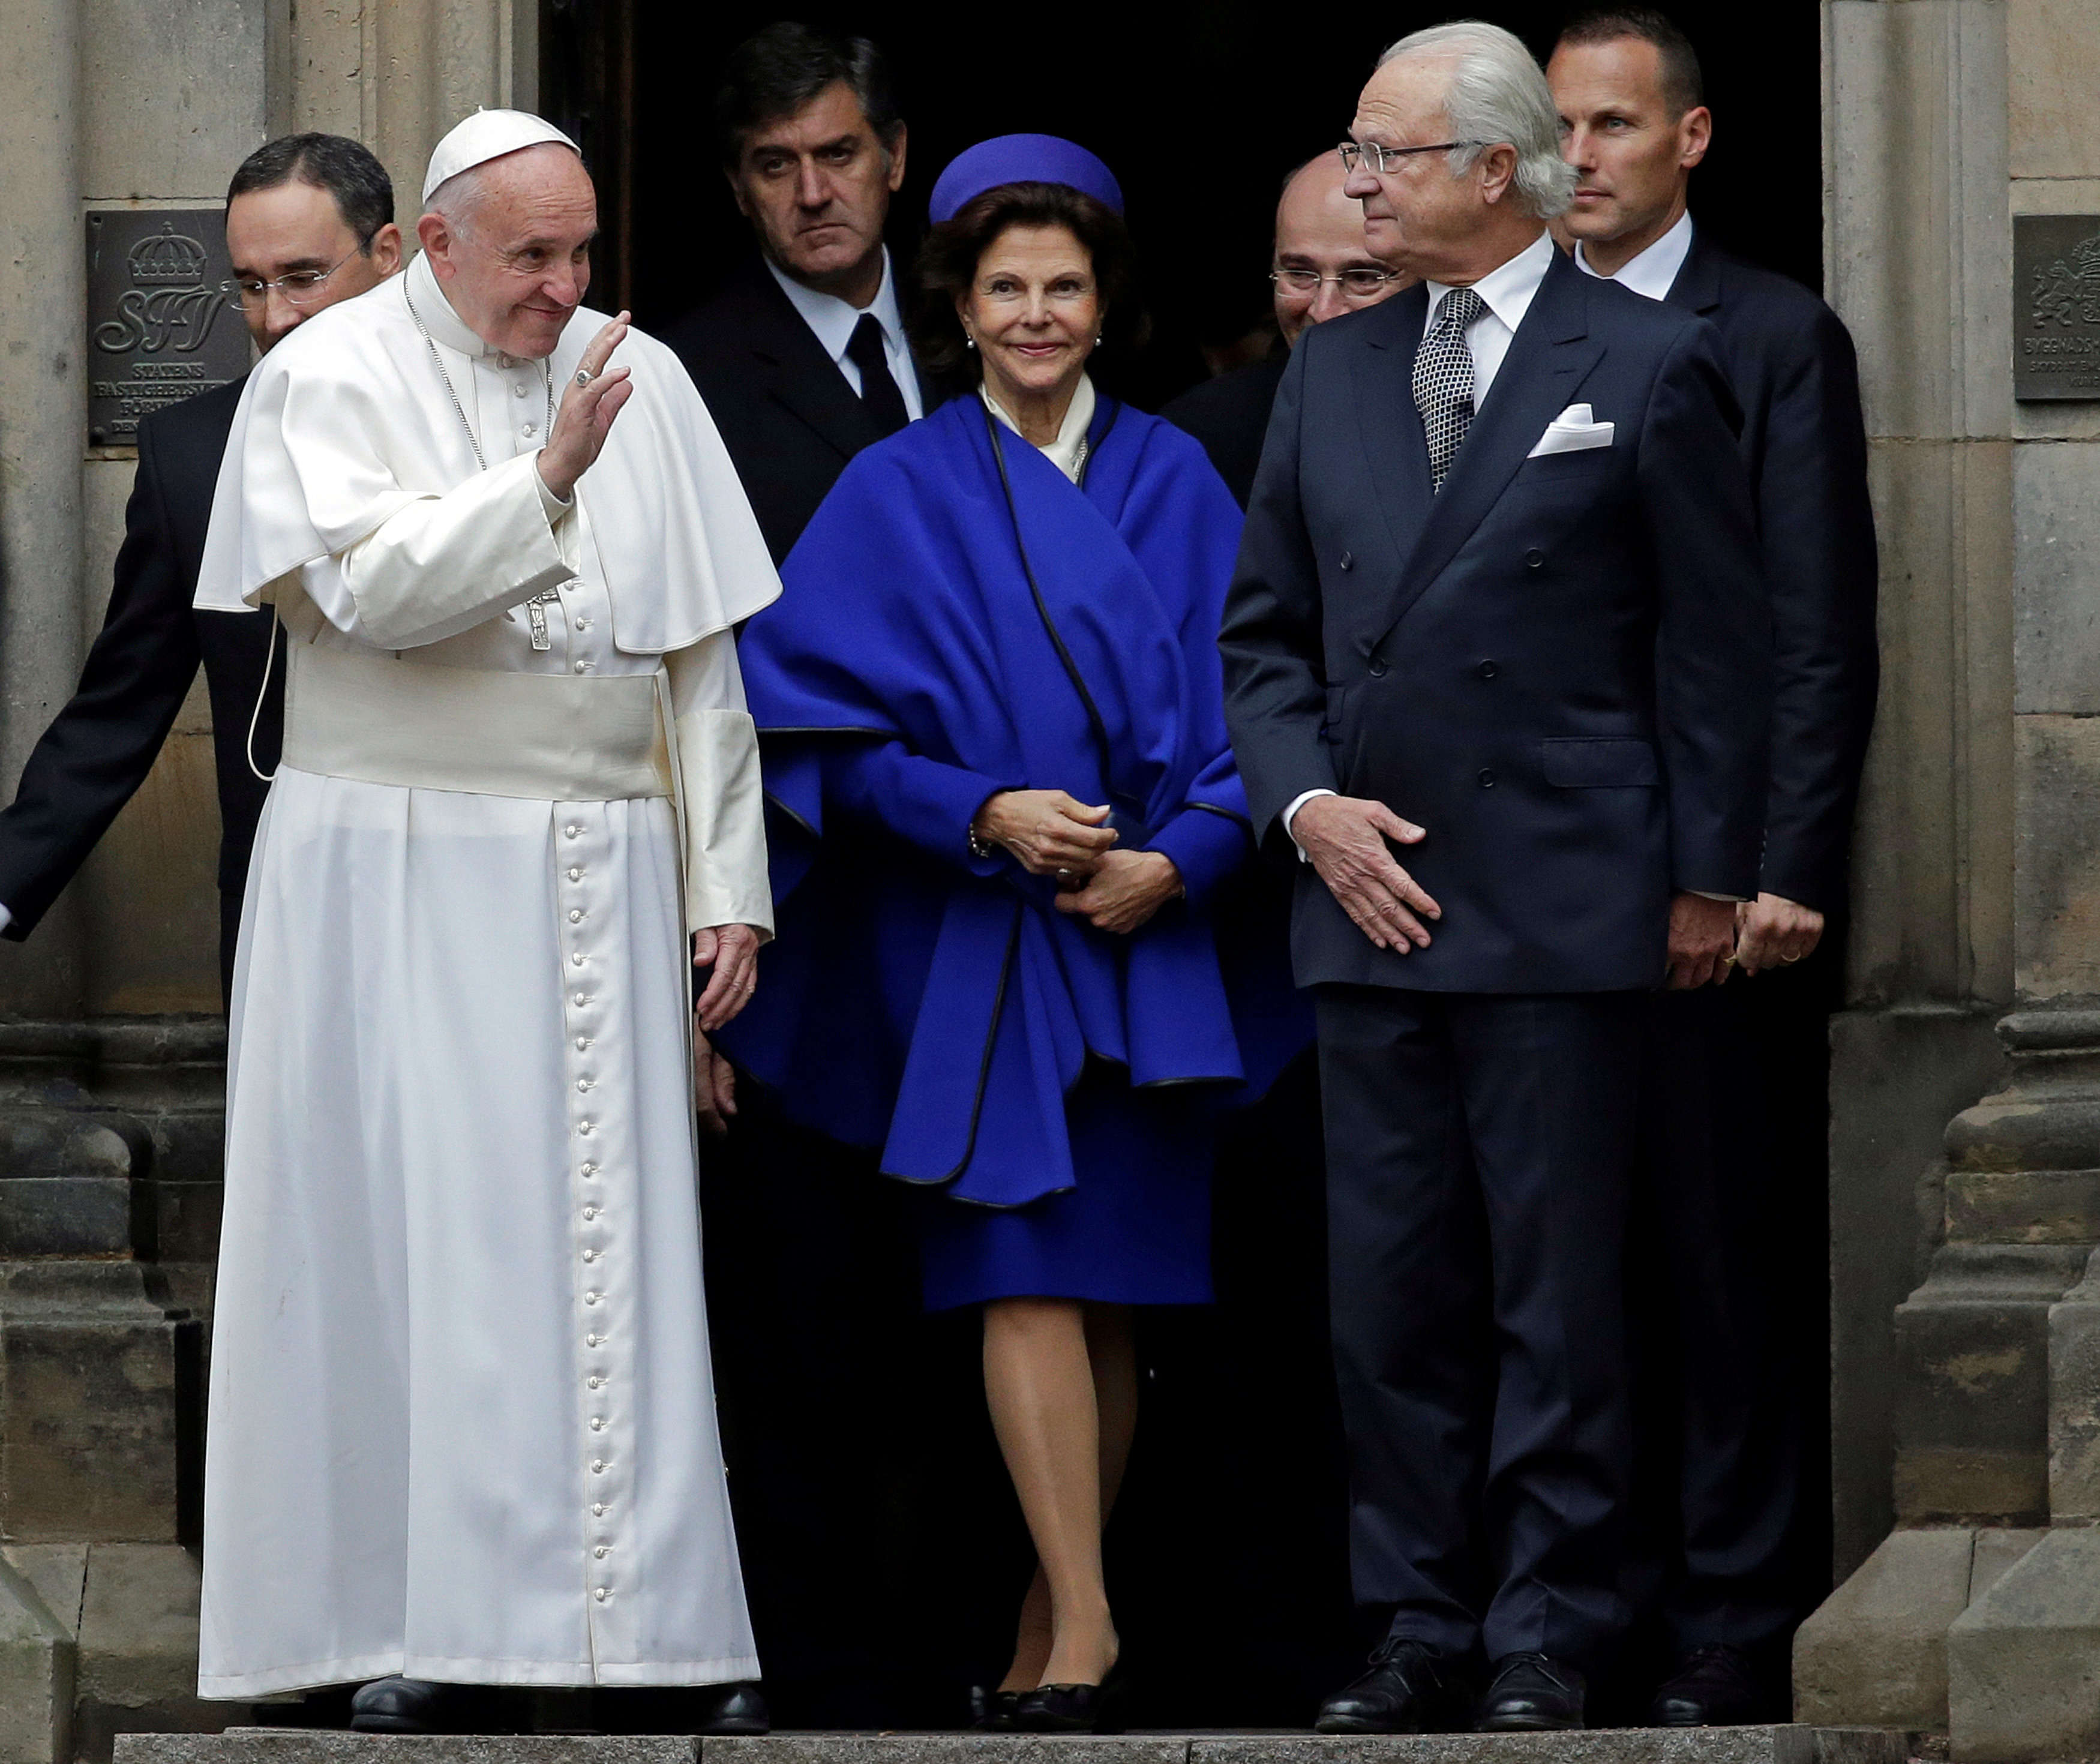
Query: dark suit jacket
pixel 788 416
pixel 1558 666
pixel 1229 415
pixel 1791 362
pixel 100 747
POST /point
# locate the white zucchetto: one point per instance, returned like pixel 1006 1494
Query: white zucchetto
pixel 488 135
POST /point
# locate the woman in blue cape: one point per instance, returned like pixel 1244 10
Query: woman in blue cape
pixel 1018 948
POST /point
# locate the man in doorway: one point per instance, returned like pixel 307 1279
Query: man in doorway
pixel 309 221
pixel 1322 268
pixel 1626 84
pixel 1499 608
pixel 804 359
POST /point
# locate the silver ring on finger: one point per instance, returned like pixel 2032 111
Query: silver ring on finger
pixel 1789 960
pixel 584 376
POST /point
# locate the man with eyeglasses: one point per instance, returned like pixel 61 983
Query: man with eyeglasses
pixel 309 221
pixel 1498 612
pixel 1322 268
pixel 1736 1114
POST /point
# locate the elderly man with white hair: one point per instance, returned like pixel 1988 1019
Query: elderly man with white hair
pixel 462 1423
pixel 1499 611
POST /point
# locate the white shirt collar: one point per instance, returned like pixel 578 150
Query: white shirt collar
pixel 430 303
pixel 1654 271
pixel 1068 452
pixel 833 320
pixel 1506 291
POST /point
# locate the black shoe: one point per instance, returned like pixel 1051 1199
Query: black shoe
pixel 398 1705
pixel 739 1708
pixel 1532 1693
pixel 1411 1688
pixel 1071 1707
pixel 1712 1687
pixel 994 1711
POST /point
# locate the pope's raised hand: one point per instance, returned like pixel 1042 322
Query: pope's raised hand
pixel 593 399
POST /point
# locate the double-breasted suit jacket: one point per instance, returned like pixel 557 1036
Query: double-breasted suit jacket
pixel 1558 665
pixel 100 747
pixel 789 417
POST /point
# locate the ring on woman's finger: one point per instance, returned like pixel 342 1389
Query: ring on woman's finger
pixel 584 376
pixel 1789 959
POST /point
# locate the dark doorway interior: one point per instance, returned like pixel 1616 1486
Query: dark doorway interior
pixel 891 1559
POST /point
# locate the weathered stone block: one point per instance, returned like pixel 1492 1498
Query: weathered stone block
pixel 1875 1651
pixel 1707 1746
pixel 2074 1402
pixel 139 1648
pixel 289 1745
pixel 2055 63
pixel 2023 1207
pixel 58 1574
pixel 1896 1079
pixel 2023 1662
pixel 1972 1413
pixel 36 1677
pixel 2056 552
pixel 96 1438
pixel 2057 869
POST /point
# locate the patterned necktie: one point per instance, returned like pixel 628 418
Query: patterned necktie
pixel 879 395
pixel 1444 380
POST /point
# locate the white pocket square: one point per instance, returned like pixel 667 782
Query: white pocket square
pixel 1571 431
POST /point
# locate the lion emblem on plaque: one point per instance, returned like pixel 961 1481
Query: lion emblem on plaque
pixel 2067 292
pixel 169 304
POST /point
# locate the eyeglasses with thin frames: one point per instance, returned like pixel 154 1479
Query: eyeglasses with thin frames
pixel 302 288
pixel 1380 160
pixel 1361 284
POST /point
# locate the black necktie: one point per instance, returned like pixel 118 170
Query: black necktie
pixel 879 395
pixel 1444 380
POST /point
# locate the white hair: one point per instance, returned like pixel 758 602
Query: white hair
pixel 1497 96
pixel 456 199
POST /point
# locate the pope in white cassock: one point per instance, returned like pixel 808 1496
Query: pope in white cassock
pixel 462 1422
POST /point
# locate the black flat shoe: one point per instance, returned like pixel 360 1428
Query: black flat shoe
pixel 1532 1693
pixel 398 1705
pixel 1712 1687
pixel 739 1709
pixel 994 1711
pixel 1071 1707
pixel 1411 1688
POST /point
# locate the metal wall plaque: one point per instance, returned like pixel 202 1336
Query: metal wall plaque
pixel 2056 310
pixel 159 329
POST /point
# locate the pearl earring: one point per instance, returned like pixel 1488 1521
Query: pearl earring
pixel 969 340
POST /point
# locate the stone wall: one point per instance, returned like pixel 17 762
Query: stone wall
pixel 1964 1413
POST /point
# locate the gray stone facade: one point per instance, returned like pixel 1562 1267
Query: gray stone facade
pixel 1966 1129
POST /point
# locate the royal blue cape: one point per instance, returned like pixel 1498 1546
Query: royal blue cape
pixel 933 1004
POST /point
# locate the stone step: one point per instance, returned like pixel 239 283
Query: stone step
pixel 1702 1745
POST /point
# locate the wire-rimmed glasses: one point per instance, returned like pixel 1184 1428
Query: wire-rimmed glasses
pixel 1357 284
pixel 301 287
pixel 1379 159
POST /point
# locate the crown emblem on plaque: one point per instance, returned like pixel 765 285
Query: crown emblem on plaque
pixel 167 259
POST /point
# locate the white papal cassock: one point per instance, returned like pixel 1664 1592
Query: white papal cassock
pixel 461 1416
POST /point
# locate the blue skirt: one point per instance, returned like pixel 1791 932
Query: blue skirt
pixel 1134 1229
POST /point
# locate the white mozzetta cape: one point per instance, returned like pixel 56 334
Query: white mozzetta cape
pixel 345 423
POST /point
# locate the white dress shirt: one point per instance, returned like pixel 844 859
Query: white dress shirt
pixel 1507 292
pixel 833 320
pixel 1653 272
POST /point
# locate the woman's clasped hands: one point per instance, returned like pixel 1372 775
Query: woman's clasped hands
pixel 1049 833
